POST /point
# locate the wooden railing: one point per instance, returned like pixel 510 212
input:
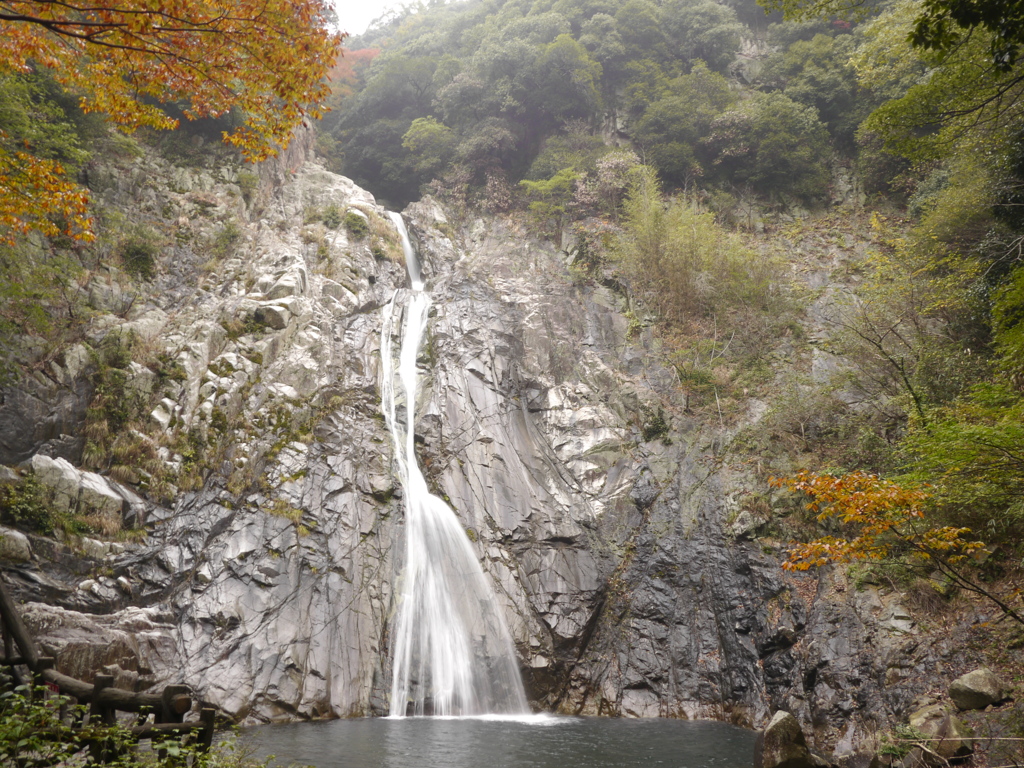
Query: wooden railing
pixel 167 709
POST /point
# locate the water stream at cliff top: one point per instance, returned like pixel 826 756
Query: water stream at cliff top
pixel 452 652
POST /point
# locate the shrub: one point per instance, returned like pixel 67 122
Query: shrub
pixel 138 252
pixel 248 182
pixel 356 225
pixel 225 239
pixel 26 504
pixel 332 216
pixel 683 264
pixel 35 730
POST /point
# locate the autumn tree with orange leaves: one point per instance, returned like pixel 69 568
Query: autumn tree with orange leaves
pixel 881 519
pixel 265 59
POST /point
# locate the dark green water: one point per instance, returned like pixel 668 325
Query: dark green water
pixel 541 741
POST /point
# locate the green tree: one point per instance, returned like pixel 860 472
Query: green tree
pixel 817 73
pixel 951 30
pixel 971 453
pixel 431 145
pixel 774 144
pixel 679 262
pixel 566 81
pixel 549 199
pixel 639 24
pixel 670 130
pixel 939 25
pixel 576 147
pixel 702 29
pixel 600 36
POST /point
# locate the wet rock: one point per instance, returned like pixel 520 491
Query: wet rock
pixel 290 284
pixel 60 477
pixel 164 413
pixel 96 494
pixel 623 585
pixel 82 644
pixel 977 689
pixel 782 744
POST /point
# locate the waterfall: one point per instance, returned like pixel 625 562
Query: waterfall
pixel 452 652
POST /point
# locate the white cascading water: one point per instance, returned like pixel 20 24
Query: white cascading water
pixel 453 655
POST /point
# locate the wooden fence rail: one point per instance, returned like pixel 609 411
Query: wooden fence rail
pixel 167 708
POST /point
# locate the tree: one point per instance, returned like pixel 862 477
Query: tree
pixel 264 58
pixel 884 519
pixel 680 262
pixel 548 200
pixel 773 143
pixel 566 81
pixel 972 452
pixel 639 26
pixel 430 143
pixel 671 128
pixel 817 73
pixel 703 29
pixel 940 25
pixel 944 27
pixel 601 37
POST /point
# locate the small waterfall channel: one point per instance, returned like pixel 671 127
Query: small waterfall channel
pixel 452 652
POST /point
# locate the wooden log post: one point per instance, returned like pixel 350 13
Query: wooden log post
pixel 168 708
pixel 17 629
pixel 171 704
pixel 207 717
pixel 103 750
pixel 43 663
pixel 100 710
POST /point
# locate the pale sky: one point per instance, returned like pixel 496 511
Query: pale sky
pixel 355 15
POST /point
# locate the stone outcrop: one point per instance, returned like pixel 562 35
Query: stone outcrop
pixel 782 744
pixel 977 689
pixel 14 546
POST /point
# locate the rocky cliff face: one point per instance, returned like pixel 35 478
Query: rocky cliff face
pixel 621 551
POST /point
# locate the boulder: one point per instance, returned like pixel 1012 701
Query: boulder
pixel 97 495
pixel 782 744
pixel 59 476
pixel 163 414
pixel 289 284
pixel 14 546
pixel 272 316
pixel 977 689
pixel 944 736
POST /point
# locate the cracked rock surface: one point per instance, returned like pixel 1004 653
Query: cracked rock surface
pixel 631 580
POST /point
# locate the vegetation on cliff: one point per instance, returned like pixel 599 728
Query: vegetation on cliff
pixel 736 119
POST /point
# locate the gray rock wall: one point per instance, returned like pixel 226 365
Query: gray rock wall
pixel 625 568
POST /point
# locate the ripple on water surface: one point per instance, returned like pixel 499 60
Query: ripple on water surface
pixel 537 741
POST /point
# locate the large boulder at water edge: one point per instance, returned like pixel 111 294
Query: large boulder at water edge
pixel 782 744
pixel 977 689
